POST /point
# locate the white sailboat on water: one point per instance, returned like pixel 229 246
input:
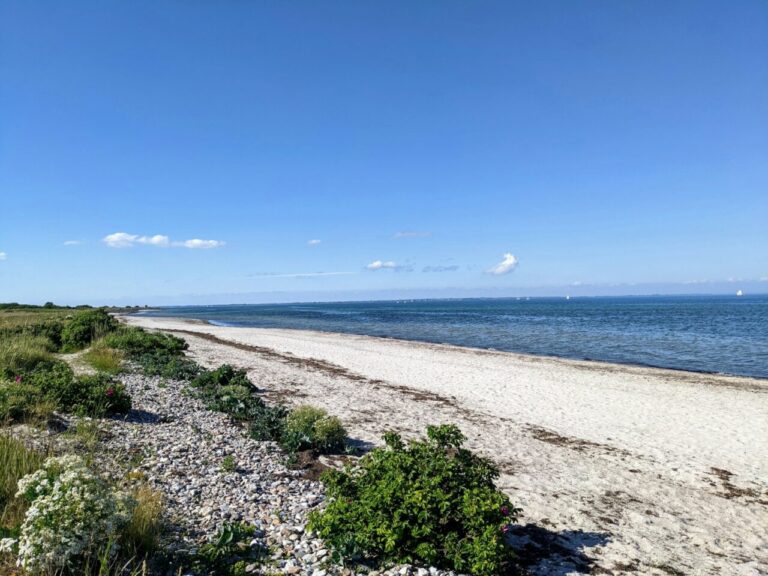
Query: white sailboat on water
pixel 739 293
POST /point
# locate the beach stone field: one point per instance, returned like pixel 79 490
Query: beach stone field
pixel 177 445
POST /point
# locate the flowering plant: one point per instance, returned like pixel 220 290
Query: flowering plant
pixel 72 512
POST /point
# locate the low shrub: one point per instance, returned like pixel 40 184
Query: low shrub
pixel 229 390
pixel 72 515
pixel 22 402
pixel 310 428
pixel 85 327
pixel 88 395
pixel 229 552
pixel 172 366
pixel 431 502
pixel 136 342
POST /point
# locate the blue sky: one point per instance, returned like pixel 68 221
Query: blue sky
pixel 605 146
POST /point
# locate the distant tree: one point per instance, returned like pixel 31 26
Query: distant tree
pixel 49 305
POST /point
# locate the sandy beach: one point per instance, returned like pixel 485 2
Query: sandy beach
pixel 618 469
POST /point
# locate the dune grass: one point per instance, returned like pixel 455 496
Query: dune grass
pixel 17 461
pixel 105 359
pixel 22 352
pixel 141 535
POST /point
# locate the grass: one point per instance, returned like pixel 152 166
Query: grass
pixel 22 352
pixel 105 359
pixel 141 536
pixel 17 461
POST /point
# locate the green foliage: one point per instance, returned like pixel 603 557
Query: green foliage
pixel 310 428
pixel 136 342
pixel 85 327
pixel 16 461
pixel 158 354
pixel 229 390
pixel 431 501
pixel 22 352
pixel 140 536
pixel 72 514
pixel 228 464
pixel 104 358
pixel 174 367
pixel 21 402
pixel 229 551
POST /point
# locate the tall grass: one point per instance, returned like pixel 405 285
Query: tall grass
pixel 16 461
pixel 103 358
pixel 22 352
pixel 141 536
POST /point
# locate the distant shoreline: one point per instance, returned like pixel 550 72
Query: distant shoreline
pixel 760 381
pixel 435 341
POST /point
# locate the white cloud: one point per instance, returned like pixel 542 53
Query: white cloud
pixel 120 240
pixel 125 240
pixel 3 255
pixel 505 266
pixel 201 244
pixel 412 234
pixel 72 242
pixel 380 265
pixel 313 242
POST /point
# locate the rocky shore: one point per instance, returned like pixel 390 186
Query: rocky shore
pixel 178 446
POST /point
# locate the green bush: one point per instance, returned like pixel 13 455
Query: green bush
pixel 162 363
pixel 20 402
pixel 90 395
pixel 431 501
pixel 228 553
pixel 136 342
pixel 85 327
pixel 229 390
pixel 310 428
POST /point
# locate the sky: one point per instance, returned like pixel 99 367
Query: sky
pixel 232 151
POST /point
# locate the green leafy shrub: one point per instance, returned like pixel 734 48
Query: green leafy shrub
pixel 20 402
pixel 72 513
pixel 228 553
pixel 85 327
pixel 89 395
pixel 312 428
pixel 229 390
pixel 136 342
pixel 168 366
pixel 431 501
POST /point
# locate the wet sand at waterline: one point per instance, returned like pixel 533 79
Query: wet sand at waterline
pixel 618 469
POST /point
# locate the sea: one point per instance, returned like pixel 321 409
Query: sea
pixel 713 334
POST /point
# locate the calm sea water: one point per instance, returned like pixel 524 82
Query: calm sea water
pixel 726 334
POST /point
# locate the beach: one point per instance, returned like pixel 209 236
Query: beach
pixel 619 469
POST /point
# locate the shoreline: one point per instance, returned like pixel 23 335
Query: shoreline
pixel 629 468
pixel 757 381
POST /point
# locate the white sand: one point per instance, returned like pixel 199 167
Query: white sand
pixel 636 470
